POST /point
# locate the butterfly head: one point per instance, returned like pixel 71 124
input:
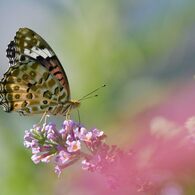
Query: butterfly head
pixel 75 103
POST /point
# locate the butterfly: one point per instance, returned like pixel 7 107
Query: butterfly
pixel 35 82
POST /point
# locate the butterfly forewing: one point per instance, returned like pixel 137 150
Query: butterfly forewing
pixel 28 44
pixel 36 81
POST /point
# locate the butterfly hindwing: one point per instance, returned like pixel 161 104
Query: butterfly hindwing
pixel 29 88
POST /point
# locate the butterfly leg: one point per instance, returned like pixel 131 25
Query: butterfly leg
pixel 68 116
pixel 44 117
pixel 68 113
pixel 21 113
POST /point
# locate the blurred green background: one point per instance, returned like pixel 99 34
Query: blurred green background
pixel 140 49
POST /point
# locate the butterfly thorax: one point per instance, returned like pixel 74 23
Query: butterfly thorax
pixel 64 109
pixel 74 103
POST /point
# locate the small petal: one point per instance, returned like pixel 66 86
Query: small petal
pixel 68 125
pixel 58 170
pixel 37 128
pixel 35 150
pixel 47 159
pixel 88 165
pixel 85 164
pixel 74 146
pixel 97 133
pixel 80 133
pixel 88 137
pixel 69 139
pixel 36 158
pixel 28 137
pixel 62 157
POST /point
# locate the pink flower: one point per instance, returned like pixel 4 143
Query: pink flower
pixel 62 157
pixel 155 164
pixel 64 146
pixel 38 157
pixel 74 146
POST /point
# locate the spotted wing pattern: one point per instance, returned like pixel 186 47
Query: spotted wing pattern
pixel 28 44
pixel 35 81
pixel 30 89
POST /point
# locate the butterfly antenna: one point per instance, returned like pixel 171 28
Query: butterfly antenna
pixel 87 96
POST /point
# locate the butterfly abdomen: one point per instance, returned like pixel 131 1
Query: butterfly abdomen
pixel 7 107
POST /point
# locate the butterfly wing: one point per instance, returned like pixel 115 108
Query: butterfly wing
pixel 29 88
pixel 29 45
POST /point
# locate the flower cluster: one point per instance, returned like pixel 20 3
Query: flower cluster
pixel 63 147
pixel 155 163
